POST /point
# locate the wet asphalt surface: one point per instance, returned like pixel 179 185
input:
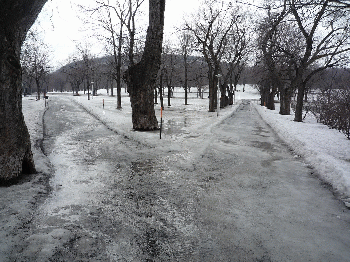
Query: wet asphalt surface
pixel 246 198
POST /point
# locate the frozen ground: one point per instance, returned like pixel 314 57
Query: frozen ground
pixel 186 129
pixel 18 202
pixel 326 150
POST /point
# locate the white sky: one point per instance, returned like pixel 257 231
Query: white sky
pixel 62 29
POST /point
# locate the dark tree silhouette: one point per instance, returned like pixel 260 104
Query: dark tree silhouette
pixel 16 18
pixel 141 77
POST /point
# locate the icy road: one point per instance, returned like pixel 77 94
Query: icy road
pixel 245 197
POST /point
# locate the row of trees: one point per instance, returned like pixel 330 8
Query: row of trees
pixel 297 40
pixel 81 70
pixel 35 64
pixel 219 31
pixel 220 34
pixel 225 48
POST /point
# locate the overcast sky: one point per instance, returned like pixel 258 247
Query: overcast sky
pixel 62 28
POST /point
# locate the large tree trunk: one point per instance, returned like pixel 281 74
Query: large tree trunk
pixel 271 100
pixel 285 100
pixel 169 95
pixel 186 75
pixel 298 84
pixel 16 17
pixel 161 92
pixel 38 88
pixel 141 77
pixel 300 103
pixel 213 89
pixel 264 91
pixel 119 66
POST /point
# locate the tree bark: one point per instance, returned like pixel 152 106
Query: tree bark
pixel 285 98
pixel 212 93
pixel 119 66
pixel 117 57
pixel 16 17
pixel 300 102
pixel 271 100
pixel 213 87
pixel 37 81
pixel 169 95
pixel 161 93
pixel 155 96
pixel 186 74
pixel 141 77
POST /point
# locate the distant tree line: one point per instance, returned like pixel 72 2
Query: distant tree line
pixel 73 76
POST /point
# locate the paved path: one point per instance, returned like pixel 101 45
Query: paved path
pixel 264 204
pixel 245 198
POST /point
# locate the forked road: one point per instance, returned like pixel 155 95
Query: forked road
pixel 247 198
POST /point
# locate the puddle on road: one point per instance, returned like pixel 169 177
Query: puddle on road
pixel 260 131
pixel 263 145
pixel 141 168
pixel 172 127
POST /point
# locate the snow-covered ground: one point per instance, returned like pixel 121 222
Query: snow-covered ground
pixel 326 150
pixel 18 201
pixel 33 112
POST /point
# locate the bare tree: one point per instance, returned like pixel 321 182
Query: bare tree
pixel 168 68
pixel 141 77
pixel 211 27
pixel 35 60
pixel 300 41
pixel 199 78
pixel 325 29
pixel 268 44
pixel 134 6
pixel 76 74
pixel 16 17
pixel 186 45
pixel 114 16
pixel 237 54
pixel 84 66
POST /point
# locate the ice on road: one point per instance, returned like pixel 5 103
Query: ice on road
pixel 243 197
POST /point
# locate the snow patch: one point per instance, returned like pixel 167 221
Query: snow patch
pixel 327 150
